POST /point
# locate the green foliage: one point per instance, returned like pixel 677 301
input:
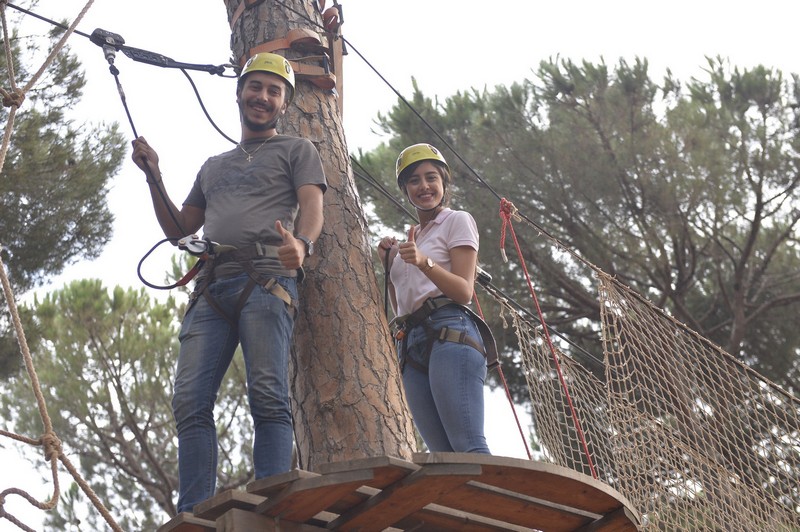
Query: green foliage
pixel 54 186
pixel 687 192
pixel 105 365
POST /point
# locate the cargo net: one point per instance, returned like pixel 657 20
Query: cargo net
pixel 692 438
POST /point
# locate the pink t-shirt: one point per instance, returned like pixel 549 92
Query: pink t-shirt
pixel 448 230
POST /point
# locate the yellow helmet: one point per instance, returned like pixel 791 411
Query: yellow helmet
pixel 416 153
pixel 272 63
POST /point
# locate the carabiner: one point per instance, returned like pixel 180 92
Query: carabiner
pixel 194 245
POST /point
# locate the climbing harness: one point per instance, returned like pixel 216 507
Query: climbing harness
pixel 402 326
pixel 245 257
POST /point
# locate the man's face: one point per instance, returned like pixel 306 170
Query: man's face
pixel 262 100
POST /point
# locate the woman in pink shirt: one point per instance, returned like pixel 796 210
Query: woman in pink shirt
pixel 432 276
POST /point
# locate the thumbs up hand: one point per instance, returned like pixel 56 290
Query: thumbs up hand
pixel 409 252
pixel 292 251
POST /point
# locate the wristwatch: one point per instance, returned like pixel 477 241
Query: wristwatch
pixel 309 244
pixel 429 264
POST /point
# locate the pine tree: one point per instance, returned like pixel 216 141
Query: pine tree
pixel 54 184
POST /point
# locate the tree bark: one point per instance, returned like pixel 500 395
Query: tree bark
pixel 348 400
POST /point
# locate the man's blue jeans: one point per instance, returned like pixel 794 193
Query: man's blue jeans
pixel 447 402
pixel 208 342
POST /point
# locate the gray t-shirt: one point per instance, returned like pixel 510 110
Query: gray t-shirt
pixel 242 200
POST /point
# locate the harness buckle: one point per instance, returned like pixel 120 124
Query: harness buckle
pixel 398 328
pixel 430 306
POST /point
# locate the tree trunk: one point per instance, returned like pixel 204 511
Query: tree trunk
pixel 348 400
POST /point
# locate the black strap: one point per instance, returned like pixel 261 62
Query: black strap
pixel 213 304
pixel 445 334
pixel 404 324
pixel 428 307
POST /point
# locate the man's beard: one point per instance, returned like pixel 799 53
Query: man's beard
pixel 257 126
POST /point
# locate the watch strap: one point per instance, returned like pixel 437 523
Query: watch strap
pixel 309 244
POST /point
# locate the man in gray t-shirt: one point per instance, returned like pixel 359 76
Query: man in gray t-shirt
pixel 248 198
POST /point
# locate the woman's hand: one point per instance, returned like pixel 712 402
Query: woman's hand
pixel 409 252
pixel 387 245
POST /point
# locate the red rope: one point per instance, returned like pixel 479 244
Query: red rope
pixel 505 385
pixel 507 212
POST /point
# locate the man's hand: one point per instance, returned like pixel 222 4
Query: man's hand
pixel 292 252
pixel 146 158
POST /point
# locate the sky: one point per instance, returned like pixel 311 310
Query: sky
pixel 446 45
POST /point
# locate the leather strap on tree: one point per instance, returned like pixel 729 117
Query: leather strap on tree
pixel 304 41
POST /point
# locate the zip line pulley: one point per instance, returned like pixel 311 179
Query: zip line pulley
pixel 113 42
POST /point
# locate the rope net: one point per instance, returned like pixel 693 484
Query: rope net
pixel 694 439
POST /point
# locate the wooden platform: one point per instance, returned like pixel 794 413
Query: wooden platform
pixel 435 492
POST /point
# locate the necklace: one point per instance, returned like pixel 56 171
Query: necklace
pixel 251 154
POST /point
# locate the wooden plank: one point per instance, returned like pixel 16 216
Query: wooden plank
pixel 515 508
pixel 540 480
pixel 350 500
pixel 322 519
pixel 186 522
pixel 438 518
pixel 622 520
pixel 220 503
pixel 237 520
pixel 268 486
pixel 386 470
pixel 305 498
pixel 403 498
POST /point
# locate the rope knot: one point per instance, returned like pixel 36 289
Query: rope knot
pixel 52 445
pixel 507 209
pixel 14 98
pixel 507 212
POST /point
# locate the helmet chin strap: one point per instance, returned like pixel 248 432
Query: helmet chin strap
pixel 420 209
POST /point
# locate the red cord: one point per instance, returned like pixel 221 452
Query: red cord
pixel 507 211
pixel 505 385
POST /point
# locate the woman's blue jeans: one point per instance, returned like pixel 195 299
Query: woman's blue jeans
pixel 447 402
pixel 208 342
